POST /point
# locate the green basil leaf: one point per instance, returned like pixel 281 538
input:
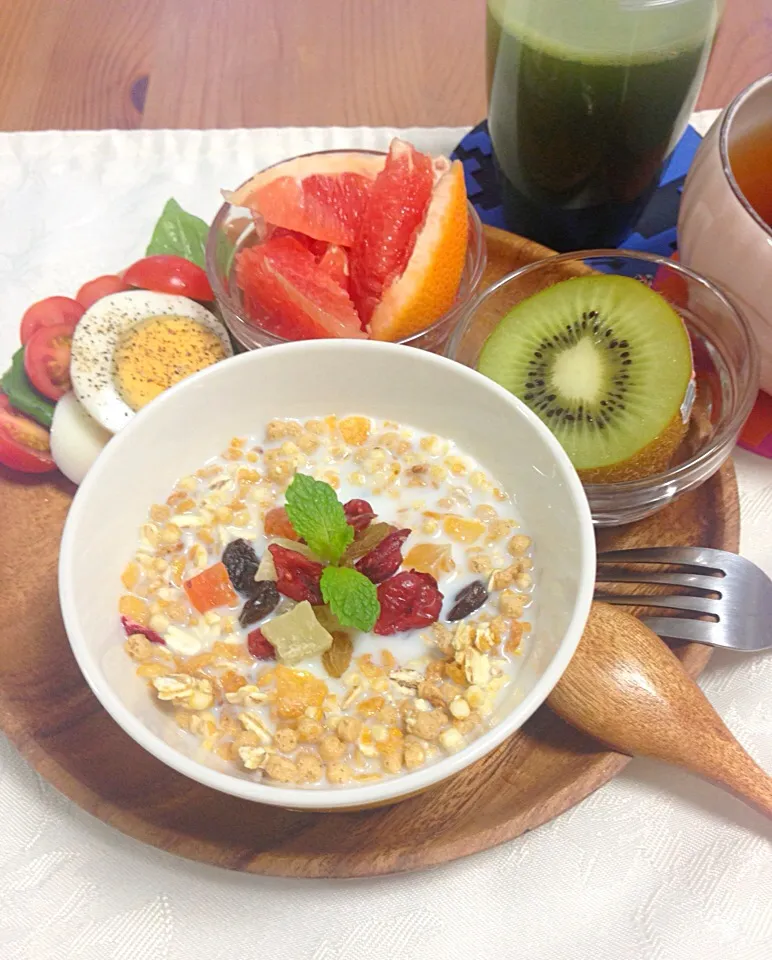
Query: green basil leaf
pixel 22 395
pixel 181 233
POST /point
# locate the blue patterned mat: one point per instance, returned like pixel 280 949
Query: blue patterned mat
pixel 655 232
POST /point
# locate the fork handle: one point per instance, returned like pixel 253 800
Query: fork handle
pixel 625 687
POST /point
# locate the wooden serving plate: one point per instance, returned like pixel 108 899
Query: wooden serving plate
pixel 48 711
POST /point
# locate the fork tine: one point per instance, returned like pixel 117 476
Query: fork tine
pixel 671 601
pixel 688 556
pixel 695 631
pixel 713 584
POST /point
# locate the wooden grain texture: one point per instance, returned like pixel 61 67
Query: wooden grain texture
pixel 233 63
pixel 624 687
pixel 49 713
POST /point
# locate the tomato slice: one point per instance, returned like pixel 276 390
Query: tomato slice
pixel 100 287
pixel 47 360
pixel 51 312
pixel 24 444
pixel 166 273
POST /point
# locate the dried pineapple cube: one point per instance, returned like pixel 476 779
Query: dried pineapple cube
pixel 297 634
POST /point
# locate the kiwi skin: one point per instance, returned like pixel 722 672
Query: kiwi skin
pixel 655 457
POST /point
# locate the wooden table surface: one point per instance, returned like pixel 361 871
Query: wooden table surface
pixel 71 64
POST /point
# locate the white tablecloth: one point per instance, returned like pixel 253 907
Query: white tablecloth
pixel 654 866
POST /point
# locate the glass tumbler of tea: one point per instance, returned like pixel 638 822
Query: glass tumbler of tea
pixel 587 98
pixel 725 220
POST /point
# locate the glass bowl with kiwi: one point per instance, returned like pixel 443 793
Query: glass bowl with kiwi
pixel 644 370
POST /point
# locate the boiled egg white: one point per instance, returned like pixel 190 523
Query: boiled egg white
pixel 129 347
pixel 76 438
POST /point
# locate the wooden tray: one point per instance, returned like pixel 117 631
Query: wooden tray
pixel 47 710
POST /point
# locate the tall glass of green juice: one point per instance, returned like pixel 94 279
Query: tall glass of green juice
pixel 586 100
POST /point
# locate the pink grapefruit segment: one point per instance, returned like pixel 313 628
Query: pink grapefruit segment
pixel 332 259
pixel 317 247
pixel 334 262
pixel 395 210
pixel 287 293
pixel 320 195
pixel 355 242
pixel 428 286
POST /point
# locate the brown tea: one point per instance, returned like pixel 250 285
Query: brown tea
pixel 751 162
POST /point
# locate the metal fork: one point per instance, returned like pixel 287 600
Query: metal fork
pixel 732 591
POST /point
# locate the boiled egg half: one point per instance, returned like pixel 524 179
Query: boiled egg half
pixel 129 347
pixel 76 438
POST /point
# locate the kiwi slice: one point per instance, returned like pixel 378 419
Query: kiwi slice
pixel 606 363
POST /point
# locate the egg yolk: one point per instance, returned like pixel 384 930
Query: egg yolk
pixel 159 352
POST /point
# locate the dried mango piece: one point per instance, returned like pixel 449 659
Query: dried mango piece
pixel 354 430
pixel 211 588
pixel 433 558
pixel 463 529
pixel 297 690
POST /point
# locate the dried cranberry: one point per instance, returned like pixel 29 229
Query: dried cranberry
pixel 263 601
pixel 241 562
pixel 385 559
pixel 131 626
pixel 469 599
pixel 297 577
pixel 260 646
pixel 408 601
pixel 359 514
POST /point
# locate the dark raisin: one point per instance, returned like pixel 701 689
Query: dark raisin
pixel 241 563
pixel 471 598
pixel 263 601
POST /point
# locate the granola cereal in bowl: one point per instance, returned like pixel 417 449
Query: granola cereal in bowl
pixel 337 573
pixel 336 600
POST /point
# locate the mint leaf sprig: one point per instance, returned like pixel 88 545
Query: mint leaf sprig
pixel 318 517
pixel 351 597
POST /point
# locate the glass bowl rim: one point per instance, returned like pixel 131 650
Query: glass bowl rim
pixel 726 430
pixel 457 309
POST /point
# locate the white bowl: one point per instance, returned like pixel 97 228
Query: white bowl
pixel 193 421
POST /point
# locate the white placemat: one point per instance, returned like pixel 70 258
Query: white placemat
pixel 654 866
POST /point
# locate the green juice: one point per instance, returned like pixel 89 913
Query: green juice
pixel 586 100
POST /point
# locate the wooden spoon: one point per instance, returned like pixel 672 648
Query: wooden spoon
pixel 625 687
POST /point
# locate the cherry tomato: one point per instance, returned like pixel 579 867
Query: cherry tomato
pixel 24 444
pixel 51 312
pixel 100 287
pixel 166 273
pixel 47 360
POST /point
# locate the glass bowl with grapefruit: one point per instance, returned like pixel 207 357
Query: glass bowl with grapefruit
pixel 347 243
